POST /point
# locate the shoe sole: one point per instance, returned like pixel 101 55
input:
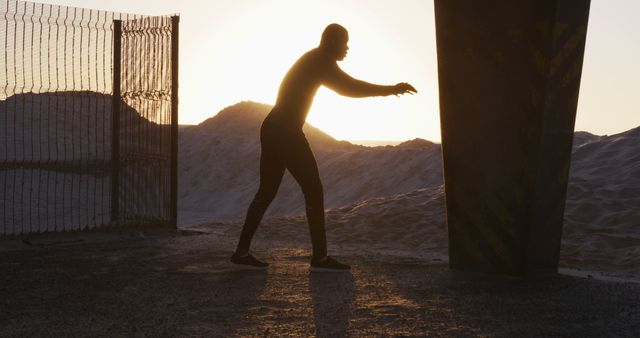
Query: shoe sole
pixel 247 267
pixel 317 269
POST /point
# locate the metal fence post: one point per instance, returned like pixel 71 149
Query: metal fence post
pixel 175 20
pixel 115 131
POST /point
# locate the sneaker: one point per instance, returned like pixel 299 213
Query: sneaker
pixel 248 261
pixel 328 264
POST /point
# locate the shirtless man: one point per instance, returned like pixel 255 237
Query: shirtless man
pixel 284 145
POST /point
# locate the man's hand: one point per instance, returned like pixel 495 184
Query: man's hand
pixel 403 88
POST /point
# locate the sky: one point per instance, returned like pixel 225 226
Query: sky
pixel 235 50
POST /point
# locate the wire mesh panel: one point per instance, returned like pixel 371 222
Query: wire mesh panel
pixel 56 110
pixel 145 121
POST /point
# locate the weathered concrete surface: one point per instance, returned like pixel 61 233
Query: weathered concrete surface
pixel 168 285
pixel 509 76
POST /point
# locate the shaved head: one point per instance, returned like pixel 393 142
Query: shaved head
pixel 334 41
pixel 332 33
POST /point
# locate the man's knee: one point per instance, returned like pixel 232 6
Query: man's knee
pixel 264 197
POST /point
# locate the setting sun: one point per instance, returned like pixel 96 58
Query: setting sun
pixel 254 51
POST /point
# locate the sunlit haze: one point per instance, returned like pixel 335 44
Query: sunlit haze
pixel 234 50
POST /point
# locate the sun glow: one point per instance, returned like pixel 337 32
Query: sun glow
pixel 251 52
pixel 233 50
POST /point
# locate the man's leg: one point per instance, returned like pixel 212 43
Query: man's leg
pixel 271 172
pixel 303 167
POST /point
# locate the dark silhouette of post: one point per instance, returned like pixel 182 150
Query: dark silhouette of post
pixel 173 214
pixel 509 77
pixel 115 121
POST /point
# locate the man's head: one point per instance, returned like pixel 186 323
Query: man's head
pixel 334 41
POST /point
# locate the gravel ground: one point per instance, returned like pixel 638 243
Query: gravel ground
pixel 164 284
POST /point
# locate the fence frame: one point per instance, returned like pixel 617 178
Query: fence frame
pixel 173 214
pixel 115 127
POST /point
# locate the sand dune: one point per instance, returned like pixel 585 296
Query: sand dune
pixel 70 126
pixel 379 199
pixel 391 199
pixel 219 166
pixel 55 156
pixel 602 216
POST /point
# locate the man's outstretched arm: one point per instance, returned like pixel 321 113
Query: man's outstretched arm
pixel 342 83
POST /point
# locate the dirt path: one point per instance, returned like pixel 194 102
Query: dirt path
pixel 183 286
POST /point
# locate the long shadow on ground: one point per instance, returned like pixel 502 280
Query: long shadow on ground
pixel 183 286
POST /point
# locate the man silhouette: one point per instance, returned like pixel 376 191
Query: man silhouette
pixel 284 145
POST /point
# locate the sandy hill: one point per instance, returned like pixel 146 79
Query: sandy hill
pixel 604 184
pixel 603 201
pixel 70 126
pixel 219 170
pixel 219 167
pixel 391 199
pixel 385 198
pixel 55 160
pixel 602 216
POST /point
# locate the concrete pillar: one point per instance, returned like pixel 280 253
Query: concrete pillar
pixel 509 77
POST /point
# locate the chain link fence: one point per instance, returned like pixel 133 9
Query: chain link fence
pixel 80 134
